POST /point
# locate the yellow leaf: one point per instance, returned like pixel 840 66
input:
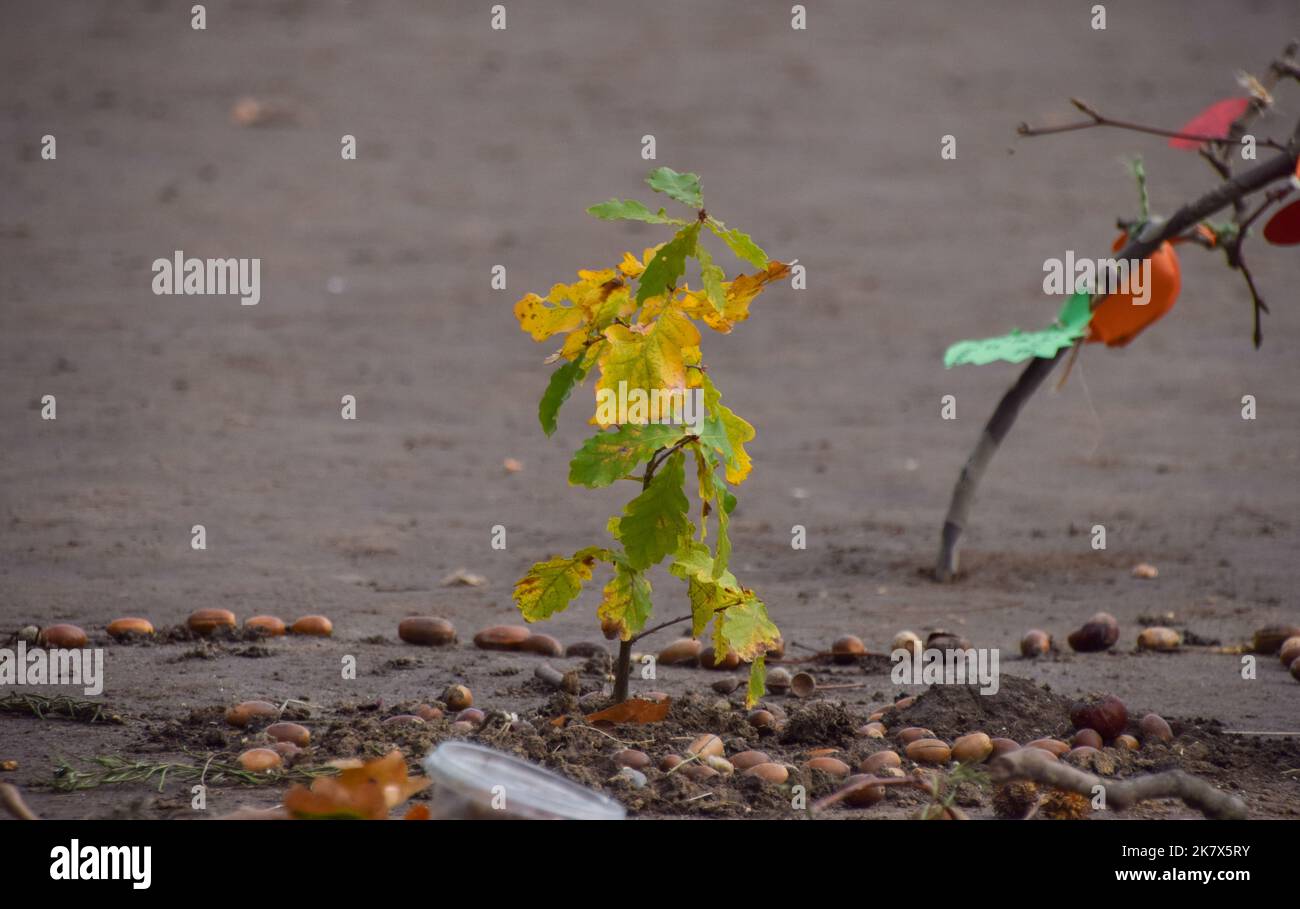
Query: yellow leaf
pixel 648 357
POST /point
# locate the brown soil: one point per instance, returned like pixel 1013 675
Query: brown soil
pixel 478 148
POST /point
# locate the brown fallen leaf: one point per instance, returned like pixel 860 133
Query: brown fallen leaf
pixel 368 791
pixel 634 710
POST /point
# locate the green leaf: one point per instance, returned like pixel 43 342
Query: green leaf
pixel 630 210
pixel 1076 313
pixel 654 523
pixel 743 628
pixel 1014 348
pixel 685 188
pixel 610 456
pixel 712 277
pixel 549 587
pixel 757 682
pixel 741 244
pixel 557 392
pixel 668 265
pixel 626 605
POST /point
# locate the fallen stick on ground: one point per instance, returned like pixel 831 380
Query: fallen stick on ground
pixel 564 681
pixel 1030 764
pixel 13 802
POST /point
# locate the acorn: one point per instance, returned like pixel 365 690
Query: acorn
pixel 875 763
pixel 268 626
pixel 1054 747
pixel 206 621
pixel 1126 742
pixel 1154 728
pixel 1295 669
pixel 1145 571
pixel 847 649
pixel 1087 738
pixel 471 715
pixel 1003 746
pixel 123 629
pixel 833 766
pixel 286 750
pixel 769 772
pixel 778 680
pixel 62 637
pixel 747 759
pixel 682 652
pixel 910 734
pixel 706 745
pixel 928 751
pixel 1099 633
pixel 668 762
pixel 720 764
pixel 972 749
pixel 1159 638
pixel 630 757
pixel 946 640
pixel 700 772
pixel 428 712
pixel 404 719
pixel 803 685
pixel 1290 650
pixel 904 703
pixel 909 641
pixel 542 645
pixel 244 713
pixel 1271 638
pixel 1035 643
pixel 709 660
pixel 873 730
pixel 1104 713
pixel 313 626
pixel 257 760
pixel 289 732
pixel 863 796
pixel 502 637
pixel 457 697
pixel 426 631
pixel 761 719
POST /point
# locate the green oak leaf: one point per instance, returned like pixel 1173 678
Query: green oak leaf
pixel 685 188
pixel 712 277
pixel 668 264
pixel 550 586
pixel 630 210
pixel 626 605
pixel 557 392
pixel 610 456
pixel 654 523
pixel 741 244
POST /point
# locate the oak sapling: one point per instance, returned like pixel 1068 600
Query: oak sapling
pixel 635 324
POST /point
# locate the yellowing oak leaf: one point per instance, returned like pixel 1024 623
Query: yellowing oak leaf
pixel 626 605
pixel 550 586
pixel 541 319
pixel 744 629
pixel 649 358
pixel 737 294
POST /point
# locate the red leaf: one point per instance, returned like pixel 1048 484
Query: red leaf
pixel 632 711
pixel 1214 121
pixel 1283 229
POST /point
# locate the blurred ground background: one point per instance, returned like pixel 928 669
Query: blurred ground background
pixel 479 147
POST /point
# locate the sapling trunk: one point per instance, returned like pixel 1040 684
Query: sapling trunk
pixel 1232 190
pixel 623 668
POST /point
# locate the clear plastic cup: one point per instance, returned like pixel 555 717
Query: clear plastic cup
pixel 475 782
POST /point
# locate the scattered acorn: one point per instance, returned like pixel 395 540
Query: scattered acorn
pixel 630 757
pixel 670 761
pixel 727 685
pixel 246 712
pixel 286 750
pixel 257 760
pixel 761 719
pixel 720 764
pixel 802 685
pixel 1145 571
pixel 833 766
pixel 542 645
pixel 313 626
pixel 928 751
pixel 1126 741
pixel 502 637
pixel 1054 747
pixel 1035 643
pixel 709 660
pixel 457 697
pixel 769 772
pixel 1003 746
pixel 909 641
pixel 705 745
pixel 428 712
pixel 129 627
pixel 972 749
pixel 289 732
pixel 1099 633
pixel 1289 650
pixel 778 680
pixel 266 625
pixel 426 631
pixel 62 637
pixel 1154 728
pixel 872 730
pixel 747 759
pixel 404 719
pixel 910 734
pixel 683 652
pixel 847 649
pixel 1159 638
pixel 905 702
pixel 863 796
pixel 1089 738
pixel 1271 638
pixel 1104 713
pixel 875 763
pixel 471 715
pixel 206 621
pixel 699 772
